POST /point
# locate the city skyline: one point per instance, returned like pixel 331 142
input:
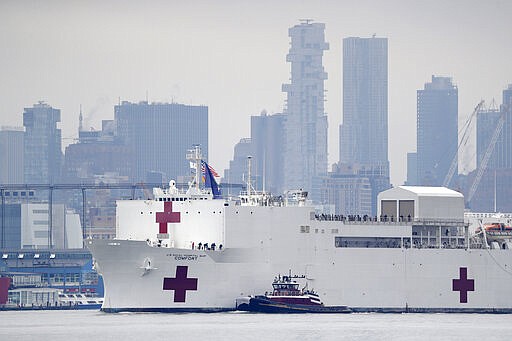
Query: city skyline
pixel 199 53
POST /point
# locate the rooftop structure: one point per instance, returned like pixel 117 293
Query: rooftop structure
pixel 421 203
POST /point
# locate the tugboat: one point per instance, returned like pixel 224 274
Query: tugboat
pixel 286 297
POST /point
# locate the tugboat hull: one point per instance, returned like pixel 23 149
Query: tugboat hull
pixel 262 304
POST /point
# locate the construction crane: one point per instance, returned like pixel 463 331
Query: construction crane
pixel 488 153
pixel 466 129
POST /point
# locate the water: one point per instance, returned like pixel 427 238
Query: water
pixel 95 325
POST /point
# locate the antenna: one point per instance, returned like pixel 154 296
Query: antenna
pixel 80 120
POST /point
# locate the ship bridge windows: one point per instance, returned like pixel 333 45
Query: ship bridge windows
pixel 368 242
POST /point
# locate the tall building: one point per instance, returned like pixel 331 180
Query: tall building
pixel 364 131
pixel 42 149
pixel 306 122
pixel 412 169
pixel 26 226
pixel 268 143
pixel 159 134
pixel 487 122
pixel 237 171
pixel 437 115
pixel 11 154
pixel 507 96
pixel 495 186
pixel 350 193
pixel 97 153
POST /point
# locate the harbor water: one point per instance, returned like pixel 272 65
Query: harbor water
pixel 95 325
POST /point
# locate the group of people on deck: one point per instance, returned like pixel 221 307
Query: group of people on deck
pixel 205 246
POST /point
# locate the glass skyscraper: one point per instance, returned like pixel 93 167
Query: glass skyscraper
pixel 11 152
pixel 160 134
pixel 437 136
pixel 42 149
pixel 364 131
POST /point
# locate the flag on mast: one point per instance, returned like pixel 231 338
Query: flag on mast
pixel 209 174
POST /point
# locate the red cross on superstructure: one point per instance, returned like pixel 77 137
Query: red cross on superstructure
pixel 180 284
pixel 463 285
pixel 167 216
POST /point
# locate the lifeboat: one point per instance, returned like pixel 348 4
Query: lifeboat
pixel 496 231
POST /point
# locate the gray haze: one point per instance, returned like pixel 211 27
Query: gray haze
pixel 230 56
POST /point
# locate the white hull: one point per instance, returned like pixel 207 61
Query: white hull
pixel 364 279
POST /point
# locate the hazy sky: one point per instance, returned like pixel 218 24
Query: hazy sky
pixel 231 56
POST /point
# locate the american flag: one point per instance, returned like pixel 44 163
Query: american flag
pixel 214 173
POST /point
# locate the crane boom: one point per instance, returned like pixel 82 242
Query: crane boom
pixel 463 141
pixel 487 155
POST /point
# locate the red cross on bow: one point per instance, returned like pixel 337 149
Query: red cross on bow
pixel 180 284
pixel 167 216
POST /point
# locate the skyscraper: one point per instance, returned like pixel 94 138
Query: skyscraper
pixel 237 171
pixel 495 185
pixel 11 153
pixel 412 169
pixel 268 141
pixel 364 131
pixel 507 96
pixel 486 124
pixel 437 110
pixel 159 134
pixel 305 153
pixel 42 149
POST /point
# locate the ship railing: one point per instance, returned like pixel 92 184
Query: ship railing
pixel 365 219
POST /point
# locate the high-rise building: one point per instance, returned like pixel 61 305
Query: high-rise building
pixel 305 154
pixel 11 154
pixel 26 226
pixel 412 169
pixel 350 193
pixel 495 185
pixel 486 124
pixel 97 153
pixel 42 148
pixel 238 167
pixel 507 96
pixel 437 115
pixel 268 143
pixel 364 131
pixel 159 134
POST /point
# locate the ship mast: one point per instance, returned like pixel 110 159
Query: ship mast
pixel 195 156
pixel 249 178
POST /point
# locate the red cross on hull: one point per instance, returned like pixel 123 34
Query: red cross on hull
pixel 180 284
pixel 463 285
